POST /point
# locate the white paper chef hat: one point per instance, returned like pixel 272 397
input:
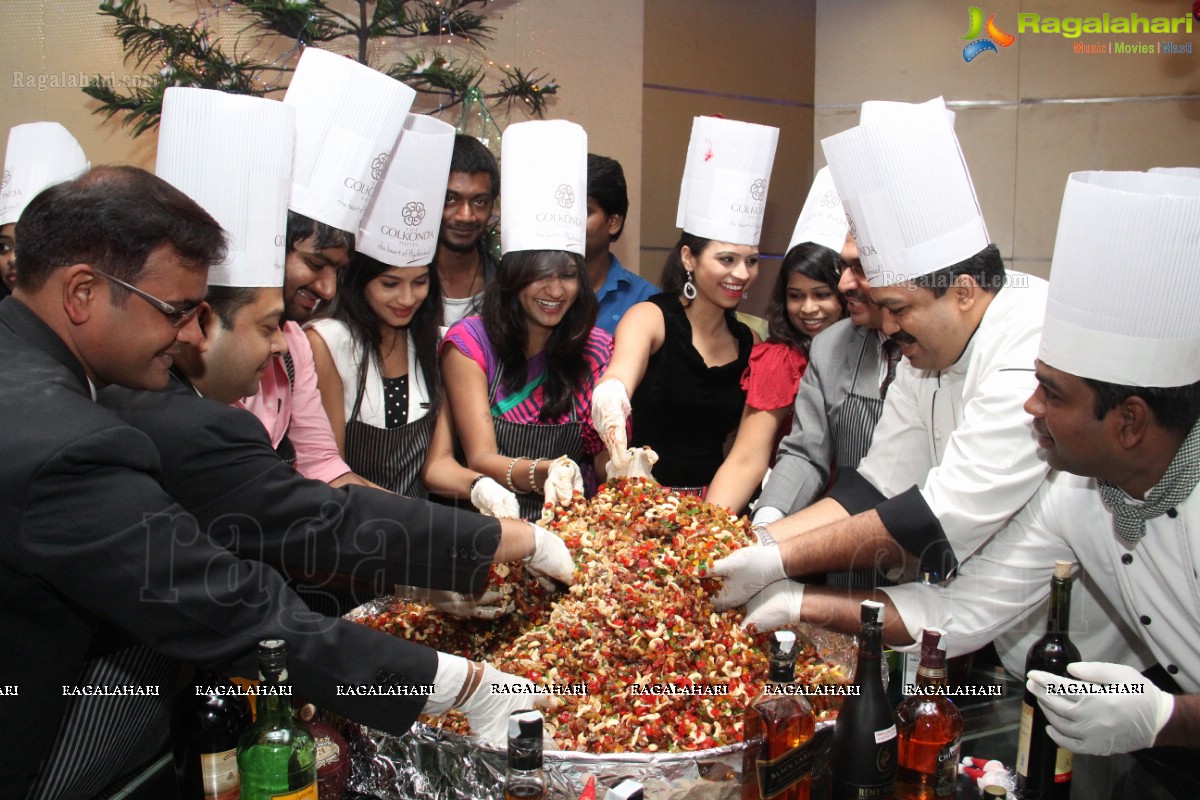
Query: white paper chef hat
pixel 1181 172
pixel 39 155
pixel 348 117
pixel 907 192
pixel 723 194
pixel 822 220
pixel 401 225
pixel 876 111
pixel 1124 280
pixel 232 154
pixel 543 186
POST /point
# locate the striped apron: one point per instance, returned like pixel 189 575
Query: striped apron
pixel 390 457
pixel 515 439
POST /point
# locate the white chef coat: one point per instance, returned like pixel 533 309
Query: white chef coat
pixel 1148 591
pixel 962 435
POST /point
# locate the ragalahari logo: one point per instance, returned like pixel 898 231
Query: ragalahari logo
pixel 994 37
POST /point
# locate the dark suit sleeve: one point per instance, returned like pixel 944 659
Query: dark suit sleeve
pixel 103 533
pixel 218 463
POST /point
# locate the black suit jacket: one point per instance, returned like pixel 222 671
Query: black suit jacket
pixel 90 543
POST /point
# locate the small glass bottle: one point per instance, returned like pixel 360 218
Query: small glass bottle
pixel 207 717
pixel 864 738
pixel 277 756
pixel 1044 768
pixel 930 729
pixel 333 754
pixel 778 724
pixel 524 780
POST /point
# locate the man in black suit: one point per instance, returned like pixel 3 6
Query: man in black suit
pixel 96 554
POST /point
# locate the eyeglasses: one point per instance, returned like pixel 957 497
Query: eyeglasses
pixel 177 316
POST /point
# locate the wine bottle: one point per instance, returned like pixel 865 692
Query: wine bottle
pixel 930 729
pixel 864 738
pixel 1044 768
pixel 276 755
pixel 779 723
pixel 207 718
pixel 524 780
pixel 333 754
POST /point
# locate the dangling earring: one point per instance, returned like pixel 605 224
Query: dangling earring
pixel 689 288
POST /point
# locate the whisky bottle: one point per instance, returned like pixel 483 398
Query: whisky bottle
pixel 207 717
pixel 524 780
pixel 930 729
pixel 864 738
pixel 276 756
pixel 912 661
pixel 779 724
pixel 1044 768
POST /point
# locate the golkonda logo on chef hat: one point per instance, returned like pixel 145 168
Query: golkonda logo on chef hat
pixel 994 37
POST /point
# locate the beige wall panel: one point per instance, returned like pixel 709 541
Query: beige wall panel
pixel 1051 68
pixel 1056 140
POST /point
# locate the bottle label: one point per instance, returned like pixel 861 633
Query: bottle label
pixel 307 793
pixel 1063 762
pixel 947 769
pixel 1023 739
pixel 885 735
pixel 327 751
pixel 219 773
pixel 780 774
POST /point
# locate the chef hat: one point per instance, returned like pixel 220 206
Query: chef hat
pixel 725 179
pixel 39 155
pixel 1124 280
pixel 822 220
pixel 348 117
pixel 401 225
pixel 1181 172
pixel 907 193
pixel 543 186
pixel 877 111
pixel 240 179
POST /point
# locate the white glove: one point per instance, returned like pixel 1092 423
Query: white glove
pixel 562 481
pixel 1102 724
pixel 746 572
pixel 776 606
pixel 494 500
pixel 489 605
pixel 610 409
pixel 550 558
pixel 487 708
pixel 639 461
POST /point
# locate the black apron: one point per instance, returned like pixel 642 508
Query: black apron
pixel 546 442
pixel 390 457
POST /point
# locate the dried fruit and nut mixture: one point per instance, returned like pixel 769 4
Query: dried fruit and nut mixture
pixel 639 615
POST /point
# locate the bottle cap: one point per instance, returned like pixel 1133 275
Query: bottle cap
pixel 783 642
pixel 995 791
pixel 272 658
pixel 625 790
pixel 1062 569
pixel 525 725
pixel 872 612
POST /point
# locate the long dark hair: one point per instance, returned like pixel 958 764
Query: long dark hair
pixel 352 308
pixel 812 261
pixel 674 274
pixel 507 326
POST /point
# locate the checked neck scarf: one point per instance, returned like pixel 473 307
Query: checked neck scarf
pixel 1176 484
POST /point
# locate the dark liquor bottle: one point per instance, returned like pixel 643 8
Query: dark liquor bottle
pixel 1044 768
pixel 864 738
pixel 333 754
pixel 207 718
pixel 276 755
pixel 779 723
pixel 913 660
pixel 930 729
pixel 523 780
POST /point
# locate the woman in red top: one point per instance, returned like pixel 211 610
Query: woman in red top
pixel 805 302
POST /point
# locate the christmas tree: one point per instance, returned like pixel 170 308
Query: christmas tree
pixel 276 32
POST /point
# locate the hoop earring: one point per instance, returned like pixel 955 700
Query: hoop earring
pixel 689 288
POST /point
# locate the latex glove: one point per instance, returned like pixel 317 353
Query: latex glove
pixel 562 481
pixel 610 409
pixel 746 572
pixel 489 605
pixel 487 708
pixel 776 606
pixel 494 500
pixel 639 461
pixel 550 558
pixel 1102 724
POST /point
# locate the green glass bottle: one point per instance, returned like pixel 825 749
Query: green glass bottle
pixel 276 756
